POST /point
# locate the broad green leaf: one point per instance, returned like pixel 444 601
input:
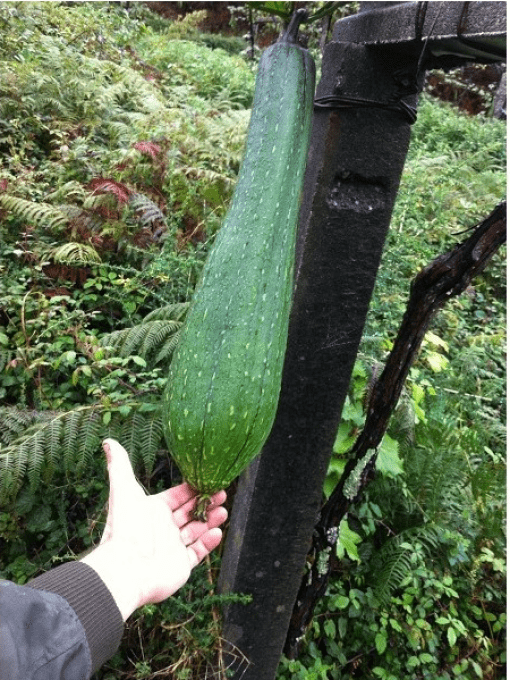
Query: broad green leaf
pixel 435 341
pixel 341 602
pixel 477 668
pixel 381 641
pixel 347 542
pixel 344 438
pixel 437 362
pixel 388 460
pixel 353 411
pixel 330 628
pixel 452 636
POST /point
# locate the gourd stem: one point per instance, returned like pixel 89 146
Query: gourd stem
pixel 200 512
pixel 291 32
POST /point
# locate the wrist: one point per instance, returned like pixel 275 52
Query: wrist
pixel 115 566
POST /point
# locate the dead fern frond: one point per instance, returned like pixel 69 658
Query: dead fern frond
pixel 147 212
pixel 103 185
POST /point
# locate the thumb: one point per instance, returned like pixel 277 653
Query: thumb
pixel 124 486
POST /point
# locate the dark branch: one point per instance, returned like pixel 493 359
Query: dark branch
pixel 447 276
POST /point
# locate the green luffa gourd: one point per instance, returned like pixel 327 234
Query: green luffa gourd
pixel 225 376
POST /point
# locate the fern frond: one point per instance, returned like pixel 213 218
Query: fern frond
pixel 147 211
pixel 206 174
pixel 13 422
pixel 394 568
pixel 104 185
pixel 52 440
pixel 154 339
pixel 141 435
pixel 394 561
pixel 67 441
pixel 75 254
pixel 90 438
pixel 166 351
pixel 151 439
pixel 148 148
pixel 41 214
pixel 6 355
pixel 436 473
pixel 158 332
pixel 144 340
pixel 71 437
pixel 36 456
pixel 72 190
pixel 174 311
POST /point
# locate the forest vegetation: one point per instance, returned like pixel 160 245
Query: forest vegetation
pixel 121 136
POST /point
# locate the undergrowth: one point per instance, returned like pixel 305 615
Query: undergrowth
pixel 121 136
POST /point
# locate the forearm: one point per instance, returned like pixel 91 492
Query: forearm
pixel 89 596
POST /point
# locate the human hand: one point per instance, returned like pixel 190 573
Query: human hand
pixel 150 543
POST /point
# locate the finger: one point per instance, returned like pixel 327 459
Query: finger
pixel 185 513
pixel 182 494
pixel 208 542
pixel 218 498
pixel 194 530
pixel 216 516
pixel 178 495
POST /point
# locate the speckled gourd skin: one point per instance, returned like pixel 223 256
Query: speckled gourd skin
pixel 225 376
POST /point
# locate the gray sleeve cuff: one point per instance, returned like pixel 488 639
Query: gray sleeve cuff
pixel 93 603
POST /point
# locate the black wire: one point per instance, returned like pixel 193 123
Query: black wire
pixel 337 101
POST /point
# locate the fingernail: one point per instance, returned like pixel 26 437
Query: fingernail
pixel 106 449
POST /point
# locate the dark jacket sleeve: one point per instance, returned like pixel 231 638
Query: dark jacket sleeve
pixel 63 625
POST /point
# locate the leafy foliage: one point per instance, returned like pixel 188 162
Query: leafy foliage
pixel 153 340
pixel 40 214
pixel 121 135
pixel 409 597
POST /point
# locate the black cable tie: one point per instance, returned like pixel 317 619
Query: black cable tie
pixel 334 101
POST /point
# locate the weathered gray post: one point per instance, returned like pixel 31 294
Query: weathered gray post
pixel 355 163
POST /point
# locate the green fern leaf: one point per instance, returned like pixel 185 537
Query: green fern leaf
pixel 13 463
pixel 130 434
pixel 34 448
pixel 141 435
pixel 54 441
pixel 174 311
pixel 90 438
pixel 75 254
pixel 41 214
pixel 154 339
pixel 151 440
pixel 158 333
pixel 71 438
pixel 395 563
pixel 13 421
pixel 166 351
